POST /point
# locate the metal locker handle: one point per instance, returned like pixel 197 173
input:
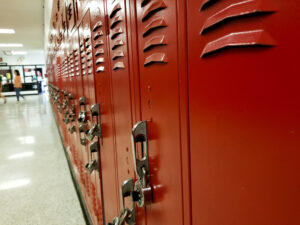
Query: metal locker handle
pixel 94 164
pixel 82 130
pixel 72 129
pixel 82 117
pixel 143 193
pixel 126 215
pixel 96 128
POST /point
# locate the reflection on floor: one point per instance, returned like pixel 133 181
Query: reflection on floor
pixel 35 183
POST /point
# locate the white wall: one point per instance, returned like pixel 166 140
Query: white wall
pixel 32 58
pixel 47 19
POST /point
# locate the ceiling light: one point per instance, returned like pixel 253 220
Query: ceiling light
pixel 10 45
pixel 7 31
pixel 18 53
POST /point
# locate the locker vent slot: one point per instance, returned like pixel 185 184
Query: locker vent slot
pixel 116 8
pixel 153 25
pixel 117 44
pixel 154 7
pixel 87 38
pixel 99 43
pixel 88 44
pixel 116 33
pixel 97 35
pixel 117 55
pixel 100 60
pixel 97 26
pixel 115 21
pixel 119 65
pixel 154 42
pixel 239 39
pixel 100 69
pixel 99 52
pixel 236 10
pixel 145 2
pixel 207 3
pixel 155 58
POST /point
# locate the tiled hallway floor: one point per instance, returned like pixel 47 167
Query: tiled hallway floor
pixel 35 183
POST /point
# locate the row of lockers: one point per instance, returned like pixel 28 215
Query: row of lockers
pixel 180 112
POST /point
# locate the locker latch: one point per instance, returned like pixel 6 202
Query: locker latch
pixel 96 126
pixel 65 101
pixel 94 164
pixel 66 116
pixel 82 117
pixel 72 114
pixel 126 215
pixel 72 129
pixel 142 189
pixel 82 131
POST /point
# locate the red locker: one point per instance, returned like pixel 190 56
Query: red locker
pixel 244 112
pixel 159 67
pixel 102 82
pixel 183 115
pixel 120 69
pixel 93 127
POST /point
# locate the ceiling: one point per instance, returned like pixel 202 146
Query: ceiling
pixel 26 17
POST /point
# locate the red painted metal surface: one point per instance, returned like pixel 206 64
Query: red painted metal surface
pixel 158 54
pixel 244 119
pixel 107 152
pixel 121 95
pixel 216 83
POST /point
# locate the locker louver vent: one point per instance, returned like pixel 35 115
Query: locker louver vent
pixel 245 38
pixel 235 11
pixel 98 37
pixel 116 8
pixel 118 54
pixel 145 2
pixel 152 8
pixel 153 43
pixel 119 65
pixel 207 3
pixel 153 25
pixel 99 52
pixel 115 21
pixel 156 58
pixel 116 33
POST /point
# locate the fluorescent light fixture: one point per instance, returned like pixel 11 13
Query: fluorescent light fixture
pixel 21 155
pixel 18 53
pixel 2 45
pixel 7 31
pixel 14 184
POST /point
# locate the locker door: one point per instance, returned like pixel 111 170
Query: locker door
pixel 244 112
pixel 160 78
pixel 81 149
pixel 93 112
pixel 120 70
pixel 103 90
pixel 84 108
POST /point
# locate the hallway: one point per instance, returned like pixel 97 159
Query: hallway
pixel 35 183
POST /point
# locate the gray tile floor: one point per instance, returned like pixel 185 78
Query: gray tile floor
pixel 35 183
